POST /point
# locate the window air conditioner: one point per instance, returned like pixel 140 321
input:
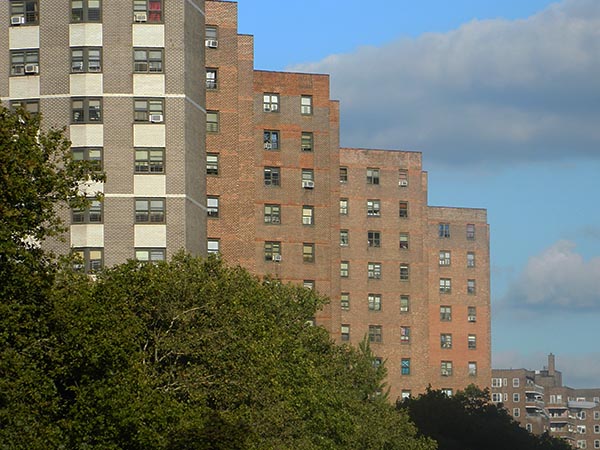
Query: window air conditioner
pixel 156 118
pixel 274 107
pixel 77 66
pixel 472 319
pixel 140 17
pixel 274 219
pixel 268 146
pixel 308 184
pixel 211 43
pixel 277 258
pixel 17 20
pixel 403 183
pixel 32 68
pixel 445 372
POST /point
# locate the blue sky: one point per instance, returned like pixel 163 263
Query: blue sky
pixel 503 99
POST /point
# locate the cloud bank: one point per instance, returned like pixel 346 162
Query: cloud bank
pixel 490 93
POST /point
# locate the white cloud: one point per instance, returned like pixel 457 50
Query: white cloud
pixel 489 92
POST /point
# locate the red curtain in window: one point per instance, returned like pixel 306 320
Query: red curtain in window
pixel 154 11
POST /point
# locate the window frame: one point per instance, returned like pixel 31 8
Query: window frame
pixel 405 366
pixel 344 269
pixel 29 17
pixel 272 176
pixel 374 270
pixel 343 174
pixel 445 285
pixel 85 152
pixel 405 334
pixel 470 231
pixel 470 260
pixel 86 110
pixel 404 303
pixel 151 252
pixel 150 13
pixel 472 342
pixel 375 334
pixel 345 301
pixel 144 107
pixel 306 105
pixel 404 272
pixel 86 60
pixel 471 286
pixel 212 78
pixel 154 215
pixel 308 252
pixel 86 16
pixel 20 58
pixel 446 368
pixel 92 214
pixel 374 302
pixel 373 207
pixel 213 246
pixel 149 161
pixel 271 139
pixel 445 313
pixel 345 332
pixel 374 238
pixel 272 249
pixel 26 104
pixel 444 230
pixel 404 241
pixel 472 368
pixel 403 209
pixel 212 166
pixel 212 125
pixel 446 340
pixel 90 265
pixel 152 64
pixel 344 204
pixel 307 141
pixel 344 238
pixel 445 258
pixel 373 175
pixel 272 213
pixel 271 102
pixel 213 206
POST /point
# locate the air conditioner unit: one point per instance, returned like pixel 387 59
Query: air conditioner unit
pixel 268 146
pixel 77 66
pixel 308 184
pixel 472 319
pixel 274 107
pixel 211 43
pixel 32 68
pixel 156 118
pixel 277 258
pixel 403 183
pixel 17 20
pixel 274 219
pixel 140 17
pixel 445 373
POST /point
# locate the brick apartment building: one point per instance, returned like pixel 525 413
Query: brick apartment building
pixel 540 402
pixel 265 183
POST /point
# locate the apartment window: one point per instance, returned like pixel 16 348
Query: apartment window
pixel 343 174
pixel 92 259
pixel 470 286
pixel 445 313
pixel 496 383
pixel 516 412
pixel 470 231
pixel 93 155
pixel 149 160
pixel 404 241
pixel 212 206
pixel 372 176
pixel 405 366
pixel 306 104
pixel 213 245
pixel 306 141
pixel 344 206
pixel 597 417
pixel 309 284
pixel 373 208
pixel 447 392
pixel 444 258
pixel 91 214
pixel 582 414
pixel 403 210
pixel 271 139
pixel 472 368
pixel 150 255
pixel 472 343
pixel 472 314
pixel 470 259
pixel 147 11
pixel 406 393
pixel 85 11
pixel 212 121
pixel 516 397
pixel 25 62
pixel 446 340
pixel 596 443
pixel 148 60
pixel 86 110
pixel 596 427
pixel 403 178
pixel 345 332
pixel 405 334
pixel 581 444
pixel 24 12
pixel 345 301
pixel 211 79
pixel 308 175
pixel 446 368
pixel 211 36
pixel 272 251
pixel 374 270
pixel 31 106
pixel 444 230
pixel 516 382
pixel 529 427
pixel 272 213
pixel 271 176
pixel 308 215
pixel 271 102
pixel 308 252
pixel 374 302
pixel 344 238
pixel 404 272
pixel 344 269
pixel 404 303
pixel 148 110
pixel 212 164
pixel 445 285
pixel 375 334
pixel 149 210
pixel 374 238
pixel 497 397
pixel 86 59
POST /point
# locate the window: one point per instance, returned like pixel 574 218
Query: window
pixel 470 231
pixel 582 414
pixel 92 259
pixel 147 60
pixel 148 110
pixel 150 255
pixel 515 382
pixel 373 208
pixel 25 62
pixel 309 284
pixel 344 239
pixel 308 215
pixel 405 366
pixel 272 251
pixel 213 245
pixel 212 121
pixel 516 397
pixel 147 11
pixel 372 176
pixel 149 160
pixel 445 285
pixel 446 368
pixel 31 106
pixel 212 164
pixel 472 343
pixel 345 301
pixel 307 175
pixel 596 443
pixel 496 382
pixel 343 174
pixel 472 314
pixel 85 11
pixel 403 210
pixel 308 252
pixel 404 303
pixel 345 332
pixel 306 104
pixel 375 333
pixel 306 141
pixel 529 427
pixel 373 239
pixel 271 140
pixel 516 412
pixel 470 259
pixel 497 397
pixel 344 206
pixel 86 59
pixel 597 417
pixel 344 269
pixel 374 302
pixel 272 213
pixel 211 78
pixel 444 230
pixel 271 102
pixel 271 176
pixel 211 36
pixel 374 270
pixel 149 210
pixel 445 313
pixel 93 155
pixel 404 241
pixel 446 340
pixel 472 368
pixel 596 427
pixel 91 214
pixel 404 272
pixel 406 393
pixel 581 444
pixel 470 286
pixel 86 110
pixel 404 334
pixel 24 12
pixel 212 206
pixel 444 258
pixel 403 178
pixel 447 392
